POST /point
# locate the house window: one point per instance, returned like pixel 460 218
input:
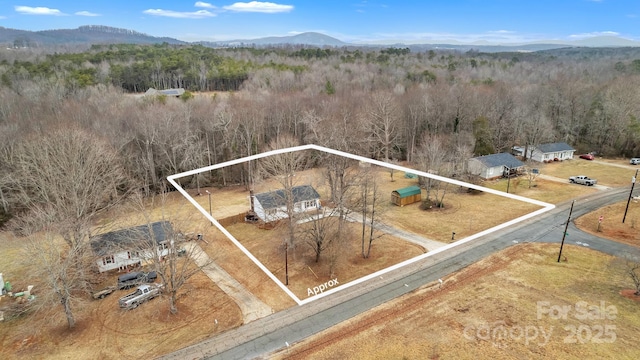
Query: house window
pixel 309 203
pixel 129 254
pixel 107 260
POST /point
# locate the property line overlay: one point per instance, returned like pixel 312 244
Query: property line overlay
pixel 172 179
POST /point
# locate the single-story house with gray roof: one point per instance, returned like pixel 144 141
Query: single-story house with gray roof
pixel 494 166
pixel 550 152
pixel 130 247
pixel 167 92
pixel 272 206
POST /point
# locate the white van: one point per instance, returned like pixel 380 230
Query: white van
pixel 634 161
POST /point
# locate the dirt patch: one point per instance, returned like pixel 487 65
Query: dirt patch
pixel 630 294
pixel 607 222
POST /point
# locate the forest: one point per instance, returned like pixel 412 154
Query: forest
pixel 393 104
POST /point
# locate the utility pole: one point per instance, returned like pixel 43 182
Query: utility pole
pixel 210 213
pixel 286 263
pixel 565 230
pixel 633 183
pixel 508 178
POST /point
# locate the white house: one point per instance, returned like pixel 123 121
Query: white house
pixel 550 152
pixel 272 206
pixel 133 246
pixel 494 165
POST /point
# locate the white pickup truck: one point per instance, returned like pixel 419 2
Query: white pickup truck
pixel 582 180
pixel 143 293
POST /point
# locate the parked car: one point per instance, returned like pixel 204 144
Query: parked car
pixel 143 293
pixel 586 156
pixel 132 279
pixel 582 180
pixel 634 161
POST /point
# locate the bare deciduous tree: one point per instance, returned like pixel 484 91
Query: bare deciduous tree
pixel 283 168
pixel 369 205
pixel 63 180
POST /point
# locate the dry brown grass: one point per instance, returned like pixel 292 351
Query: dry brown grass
pixel 544 190
pixel 607 175
pixel 502 290
pixel 105 332
pixel 304 272
pixel 612 226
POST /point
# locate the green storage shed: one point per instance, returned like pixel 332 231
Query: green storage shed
pixel 406 196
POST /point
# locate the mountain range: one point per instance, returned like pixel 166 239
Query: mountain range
pixel 98 34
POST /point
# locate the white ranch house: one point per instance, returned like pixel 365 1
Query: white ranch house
pixel 494 166
pixel 272 206
pixel 551 152
pixel 131 247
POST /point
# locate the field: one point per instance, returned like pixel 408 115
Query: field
pixel 610 173
pixel 106 332
pixel 497 308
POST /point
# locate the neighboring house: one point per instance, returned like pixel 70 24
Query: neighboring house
pixel 168 92
pixel 406 196
pixel 130 247
pixel 550 152
pixel 495 165
pixel 272 206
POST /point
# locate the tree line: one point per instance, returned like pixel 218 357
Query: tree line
pixel 388 104
pixel 76 140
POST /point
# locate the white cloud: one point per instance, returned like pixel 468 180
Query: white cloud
pixel 594 34
pixel 86 13
pixel 202 4
pixel 258 6
pixel 28 10
pixel 200 14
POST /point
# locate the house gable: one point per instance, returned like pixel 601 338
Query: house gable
pixel 551 151
pixel 121 248
pixel 271 206
pixel 494 165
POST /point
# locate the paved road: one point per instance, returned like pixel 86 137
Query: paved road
pixel 274 332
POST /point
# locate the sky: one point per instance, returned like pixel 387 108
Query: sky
pixel 354 21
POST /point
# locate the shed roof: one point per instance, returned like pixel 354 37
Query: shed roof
pixel 276 199
pixel 408 191
pixel 501 159
pixel 554 147
pixel 106 244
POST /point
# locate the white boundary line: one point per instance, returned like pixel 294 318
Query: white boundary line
pixel 545 207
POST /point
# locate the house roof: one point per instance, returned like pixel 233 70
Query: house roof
pixel 408 191
pixel 168 92
pixel 554 147
pixel 501 159
pixel 276 199
pixel 125 239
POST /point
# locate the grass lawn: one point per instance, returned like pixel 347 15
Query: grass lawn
pixel 484 292
pixel 611 226
pixel 607 175
pixel 491 310
pixel 544 190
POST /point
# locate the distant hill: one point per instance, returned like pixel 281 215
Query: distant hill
pixel 97 34
pixel 90 34
pixel 307 38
